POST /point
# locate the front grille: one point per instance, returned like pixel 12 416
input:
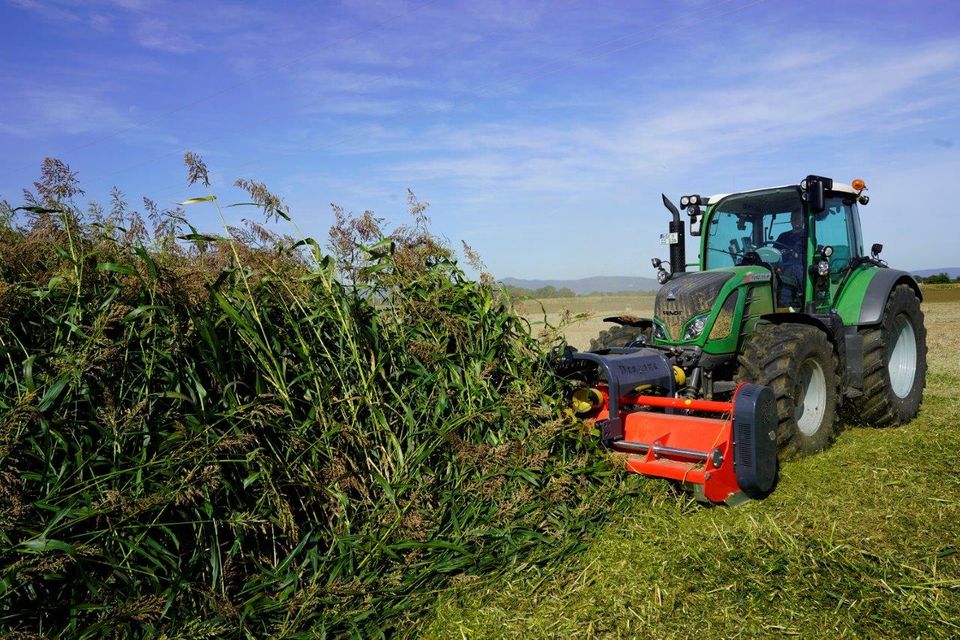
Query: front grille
pixel 692 293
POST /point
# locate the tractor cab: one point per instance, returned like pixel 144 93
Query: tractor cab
pixel 765 228
pixel 767 254
pixel 806 235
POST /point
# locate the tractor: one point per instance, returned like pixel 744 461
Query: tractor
pixel 750 358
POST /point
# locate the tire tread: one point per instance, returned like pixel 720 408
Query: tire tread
pixel 617 336
pixel 879 406
pixel 771 357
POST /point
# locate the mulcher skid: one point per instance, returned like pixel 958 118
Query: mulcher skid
pixel 724 451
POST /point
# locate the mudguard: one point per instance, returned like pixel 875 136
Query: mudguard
pixel 875 297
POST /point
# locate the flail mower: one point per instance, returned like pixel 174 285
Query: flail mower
pixel 750 358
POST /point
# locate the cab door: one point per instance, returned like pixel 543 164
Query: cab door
pixel 836 227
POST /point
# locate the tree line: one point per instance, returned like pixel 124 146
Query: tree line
pixel 550 291
pixel 937 278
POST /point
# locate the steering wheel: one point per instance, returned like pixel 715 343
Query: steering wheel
pixel 770 251
pixel 775 244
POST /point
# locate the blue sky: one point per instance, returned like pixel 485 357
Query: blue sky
pixel 542 133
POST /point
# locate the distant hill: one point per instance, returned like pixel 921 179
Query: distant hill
pixel 617 284
pixel 953 272
pixel 584 286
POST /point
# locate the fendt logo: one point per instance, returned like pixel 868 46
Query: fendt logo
pixel 670 312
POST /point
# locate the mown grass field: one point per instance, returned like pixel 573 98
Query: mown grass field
pixel 582 317
pixel 859 541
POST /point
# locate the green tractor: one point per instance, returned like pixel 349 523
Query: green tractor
pixel 785 298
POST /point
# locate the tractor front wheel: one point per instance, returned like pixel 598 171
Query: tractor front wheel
pixel 798 363
pixel 894 362
pixel 619 336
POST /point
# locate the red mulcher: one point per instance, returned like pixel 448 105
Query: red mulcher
pixel 724 451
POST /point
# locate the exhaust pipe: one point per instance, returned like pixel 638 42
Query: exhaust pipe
pixel 678 249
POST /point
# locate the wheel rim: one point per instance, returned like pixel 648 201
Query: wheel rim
pixel 812 398
pixel 902 366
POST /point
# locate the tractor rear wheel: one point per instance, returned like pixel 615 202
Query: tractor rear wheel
pixel 798 363
pixel 619 336
pixel 894 362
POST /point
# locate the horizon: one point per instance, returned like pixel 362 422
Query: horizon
pixel 541 134
pixel 924 273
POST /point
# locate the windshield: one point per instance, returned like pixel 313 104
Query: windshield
pixel 749 221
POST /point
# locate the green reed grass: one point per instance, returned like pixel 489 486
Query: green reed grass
pixel 244 435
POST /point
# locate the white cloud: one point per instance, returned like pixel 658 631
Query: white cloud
pixel 513 15
pixel 761 116
pixel 164 35
pixel 776 117
pixel 841 98
pixel 49 10
pixel 329 81
pixel 56 112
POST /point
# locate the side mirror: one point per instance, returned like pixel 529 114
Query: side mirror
pixel 815 196
pixel 813 191
pixel 875 250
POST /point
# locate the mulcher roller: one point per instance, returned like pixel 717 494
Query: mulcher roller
pixel 724 451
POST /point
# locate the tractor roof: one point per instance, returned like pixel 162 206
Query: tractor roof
pixel 837 186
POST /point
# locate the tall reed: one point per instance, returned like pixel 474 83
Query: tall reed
pixel 245 435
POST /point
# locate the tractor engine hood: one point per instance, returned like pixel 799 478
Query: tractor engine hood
pixel 685 296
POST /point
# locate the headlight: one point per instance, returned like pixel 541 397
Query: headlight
pixel 695 328
pixel 823 268
pixel 658 331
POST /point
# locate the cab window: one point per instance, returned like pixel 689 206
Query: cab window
pixel 834 227
pixel 748 222
pixel 729 236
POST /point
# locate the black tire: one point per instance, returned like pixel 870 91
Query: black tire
pixel 619 336
pixel 795 361
pixel 883 405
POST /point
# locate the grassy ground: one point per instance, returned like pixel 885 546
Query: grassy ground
pixel 861 540
pixel 941 292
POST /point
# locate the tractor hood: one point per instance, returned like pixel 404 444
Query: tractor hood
pixel 686 296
